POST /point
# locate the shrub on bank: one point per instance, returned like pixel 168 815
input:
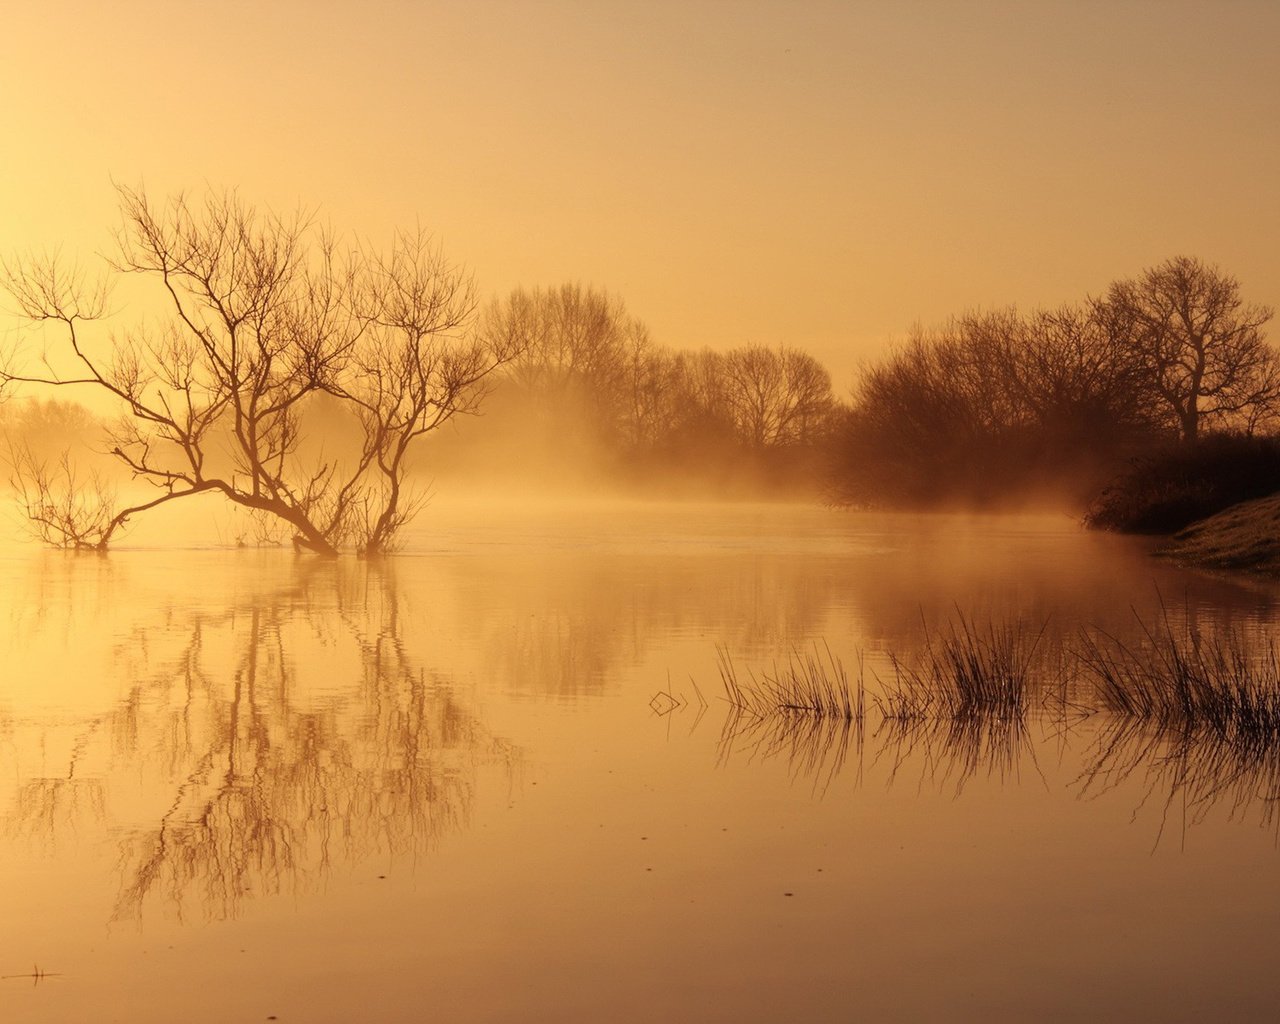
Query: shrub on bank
pixel 1177 485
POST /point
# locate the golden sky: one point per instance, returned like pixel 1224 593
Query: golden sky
pixel 809 173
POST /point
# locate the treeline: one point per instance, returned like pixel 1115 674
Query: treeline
pixel 990 409
pixel 991 406
pixel 1128 401
pixel 592 392
pixel 49 427
pixel 997 406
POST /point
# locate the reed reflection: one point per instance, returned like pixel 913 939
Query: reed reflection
pixel 277 740
pixel 1186 773
pixel 941 751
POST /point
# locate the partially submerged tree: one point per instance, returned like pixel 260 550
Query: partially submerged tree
pixel 265 315
pixel 62 506
pixel 1201 347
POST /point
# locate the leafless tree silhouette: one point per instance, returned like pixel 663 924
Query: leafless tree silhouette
pixel 1201 346
pixel 61 506
pixel 776 396
pixel 265 314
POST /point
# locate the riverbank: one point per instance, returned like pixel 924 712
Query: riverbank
pixel 1243 538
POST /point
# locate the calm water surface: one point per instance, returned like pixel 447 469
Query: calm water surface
pixel 494 779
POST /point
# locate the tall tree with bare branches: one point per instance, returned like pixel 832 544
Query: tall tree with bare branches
pixel 1202 347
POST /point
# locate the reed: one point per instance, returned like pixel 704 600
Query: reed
pixel 1180 678
pixel 1190 717
pixel 804 712
pixel 808 684
pixel 967 671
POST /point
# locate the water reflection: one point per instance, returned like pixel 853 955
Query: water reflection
pixel 258 747
pixel 949 752
pixel 814 748
pixel 1185 773
pixel 943 752
pixel 247 724
pixel 561 626
pixel 43 806
pixel 1220 751
pixel 604 593
pixel 1190 773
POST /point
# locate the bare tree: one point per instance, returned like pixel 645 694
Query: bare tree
pixel 62 507
pixel 1062 372
pixel 651 392
pixel 265 314
pixel 1202 348
pixel 776 396
pixel 808 398
pixel 574 344
pixel 703 407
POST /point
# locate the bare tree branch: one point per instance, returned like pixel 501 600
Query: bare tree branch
pixel 266 315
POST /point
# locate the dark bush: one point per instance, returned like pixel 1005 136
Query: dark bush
pixel 1180 484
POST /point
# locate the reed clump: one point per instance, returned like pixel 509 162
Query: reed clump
pixel 809 684
pixel 804 712
pixel 1181 679
pixel 1193 715
pixel 966 672
pixel 1171 676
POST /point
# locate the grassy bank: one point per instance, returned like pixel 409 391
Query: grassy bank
pixel 1243 538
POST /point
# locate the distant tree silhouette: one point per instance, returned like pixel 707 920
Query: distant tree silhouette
pixel 589 368
pixel 649 391
pixel 1069 379
pixel 997 403
pixel 265 313
pixel 1201 347
pixel 702 407
pixel 48 426
pixel 776 396
pixel 992 404
pixel 578 348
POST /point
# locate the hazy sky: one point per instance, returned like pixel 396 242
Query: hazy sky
pixel 809 173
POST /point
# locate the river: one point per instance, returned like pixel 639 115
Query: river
pixel 495 778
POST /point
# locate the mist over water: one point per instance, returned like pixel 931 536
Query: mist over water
pixel 639 512
pixel 454 775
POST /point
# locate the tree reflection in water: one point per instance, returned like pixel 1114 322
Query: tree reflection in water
pixel 45 802
pixel 265 771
